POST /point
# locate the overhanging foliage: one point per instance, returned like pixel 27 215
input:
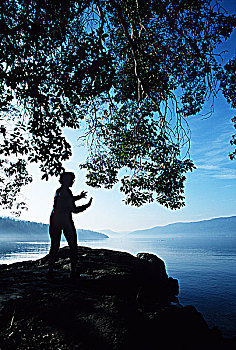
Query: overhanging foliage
pixel 134 70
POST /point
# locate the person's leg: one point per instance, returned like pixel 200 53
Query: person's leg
pixel 71 237
pixel 55 235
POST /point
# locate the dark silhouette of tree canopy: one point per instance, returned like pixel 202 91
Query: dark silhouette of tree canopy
pixel 133 70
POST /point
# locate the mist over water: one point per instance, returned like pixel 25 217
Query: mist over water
pixel 204 266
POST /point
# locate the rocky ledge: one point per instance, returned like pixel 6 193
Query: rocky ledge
pixel 118 301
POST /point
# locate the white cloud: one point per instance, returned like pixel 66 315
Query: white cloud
pixel 225 176
pixel 216 171
pixel 207 167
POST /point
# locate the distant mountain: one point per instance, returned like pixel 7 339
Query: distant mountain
pixel 12 229
pixel 114 233
pixel 85 235
pixel 214 226
pixel 109 232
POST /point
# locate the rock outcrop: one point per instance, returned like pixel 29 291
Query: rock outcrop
pixel 118 301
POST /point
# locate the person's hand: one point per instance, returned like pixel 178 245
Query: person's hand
pixel 90 201
pixel 83 194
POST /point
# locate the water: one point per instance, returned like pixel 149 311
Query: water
pixel 204 266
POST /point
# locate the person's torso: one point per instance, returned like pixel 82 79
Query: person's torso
pixel 63 202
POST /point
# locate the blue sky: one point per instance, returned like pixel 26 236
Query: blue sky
pixel 210 189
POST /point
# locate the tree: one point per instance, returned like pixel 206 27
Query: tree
pixel 133 70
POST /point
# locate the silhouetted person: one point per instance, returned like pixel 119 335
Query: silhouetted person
pixel 61 220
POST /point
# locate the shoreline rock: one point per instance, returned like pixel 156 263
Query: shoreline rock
pixel 118 302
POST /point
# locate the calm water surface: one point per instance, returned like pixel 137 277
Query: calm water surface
pixel 205 267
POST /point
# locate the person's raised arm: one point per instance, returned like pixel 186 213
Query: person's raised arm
pixel 81 208
pixel 83 194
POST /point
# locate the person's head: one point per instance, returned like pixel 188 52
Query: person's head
pixel 67 179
